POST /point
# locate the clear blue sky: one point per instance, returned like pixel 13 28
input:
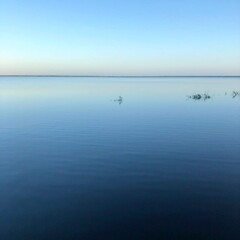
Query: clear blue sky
pixel 120 37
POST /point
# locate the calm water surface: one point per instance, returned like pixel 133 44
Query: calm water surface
pixel 75 164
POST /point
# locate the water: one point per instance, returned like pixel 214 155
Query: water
pixel 75 164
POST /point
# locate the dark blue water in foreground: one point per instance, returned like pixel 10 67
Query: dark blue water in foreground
pixel 74 164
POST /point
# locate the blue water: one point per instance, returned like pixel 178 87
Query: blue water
pixel 75 164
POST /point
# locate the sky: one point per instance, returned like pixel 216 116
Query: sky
pixel 120 37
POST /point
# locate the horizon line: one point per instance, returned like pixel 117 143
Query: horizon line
pixel 112 76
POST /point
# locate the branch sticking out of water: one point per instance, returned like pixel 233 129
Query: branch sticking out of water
pixel 119 100
pixel 235 94
pixel 199 96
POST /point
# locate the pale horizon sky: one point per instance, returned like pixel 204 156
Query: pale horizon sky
pixel 111 37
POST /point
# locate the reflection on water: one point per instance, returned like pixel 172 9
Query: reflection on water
pixel 76 165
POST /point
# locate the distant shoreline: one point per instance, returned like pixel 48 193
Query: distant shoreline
pixel 114 76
